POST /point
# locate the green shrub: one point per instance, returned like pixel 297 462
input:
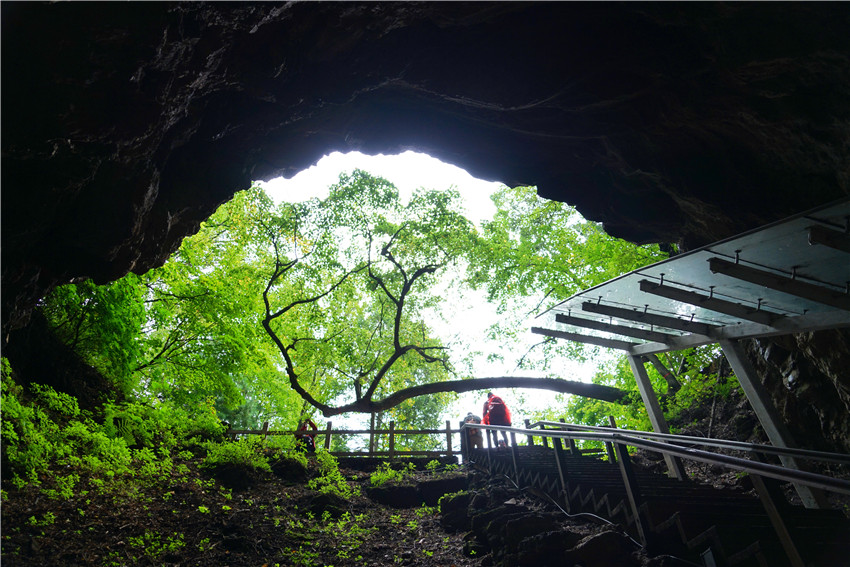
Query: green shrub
pixel 63 404
pixel 164 424
pixel 435 467
pixel 245 453
pixel 28 434
pixel 330 479
pixel 33 440
pixel 153 546
pixel 283 446
pixel 386 473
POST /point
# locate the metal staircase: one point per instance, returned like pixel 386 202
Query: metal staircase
pixel 707 525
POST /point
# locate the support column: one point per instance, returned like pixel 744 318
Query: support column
pixel 656 416
pixel 769 417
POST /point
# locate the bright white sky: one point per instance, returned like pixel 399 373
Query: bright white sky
pixel 408 172
pixel 471 315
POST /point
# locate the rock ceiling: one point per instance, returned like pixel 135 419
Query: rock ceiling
pixel 126 124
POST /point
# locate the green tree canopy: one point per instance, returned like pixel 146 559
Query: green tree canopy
pixel 345 299
pixel 536 253
pixel 324 305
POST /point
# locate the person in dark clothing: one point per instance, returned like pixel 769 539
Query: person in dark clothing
pixel 474 435
pixel 496 412
pixel 306 441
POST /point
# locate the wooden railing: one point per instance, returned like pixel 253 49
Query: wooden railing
pixel 450 449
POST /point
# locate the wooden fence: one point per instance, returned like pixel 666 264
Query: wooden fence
pixel 451 448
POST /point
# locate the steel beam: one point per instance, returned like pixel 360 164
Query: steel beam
pixel 615 329
pixel 656 415
pixel 770 280
pixel 650 318
pixel 831 238
pixel 769 417
pixel 800 324
pixel 712 303
pixel 575 337
pixel 769 499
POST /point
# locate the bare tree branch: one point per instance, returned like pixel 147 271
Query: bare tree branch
pixel 161 295
pixel 547 340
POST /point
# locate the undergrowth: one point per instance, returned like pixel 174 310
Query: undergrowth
pixel 44 430
pixel 143 457
pixel 386 473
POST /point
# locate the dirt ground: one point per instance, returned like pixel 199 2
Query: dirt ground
pixel 198 522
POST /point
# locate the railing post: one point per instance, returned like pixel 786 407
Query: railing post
pixel 392 440
pixel 328 437
pixel 544 438
pixel 265 429
pixel 515 457
pixel 562 472
pixel 609 448
pixel 464 444
pixel 372 434
pixel 530 437
pixel 449 437
pixel 572 443
pixel 630 481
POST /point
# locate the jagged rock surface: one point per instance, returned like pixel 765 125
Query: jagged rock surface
pixel 806 375
pixel 126 124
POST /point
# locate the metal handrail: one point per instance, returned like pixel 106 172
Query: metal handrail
pixel 712 442
pixel 755 467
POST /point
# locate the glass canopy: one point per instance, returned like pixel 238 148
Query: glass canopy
pixel 790 276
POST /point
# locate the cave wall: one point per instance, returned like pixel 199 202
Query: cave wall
pixel 126 124
pixel 807 378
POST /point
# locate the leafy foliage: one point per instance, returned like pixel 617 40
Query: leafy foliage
pixel 386 473
pixel 330 479
pixel 345 302
pixel 244 454
pixel 136 441
pixel 203 335
pixel 536 253
pixel 190 330
pixel 102 324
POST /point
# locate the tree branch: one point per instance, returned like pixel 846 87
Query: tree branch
pixel 596 391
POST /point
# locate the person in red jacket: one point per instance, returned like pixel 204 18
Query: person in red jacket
pixel 496 412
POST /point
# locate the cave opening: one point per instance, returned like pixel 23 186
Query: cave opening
pixel 473 316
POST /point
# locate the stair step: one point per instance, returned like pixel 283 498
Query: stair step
pixel 686 508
